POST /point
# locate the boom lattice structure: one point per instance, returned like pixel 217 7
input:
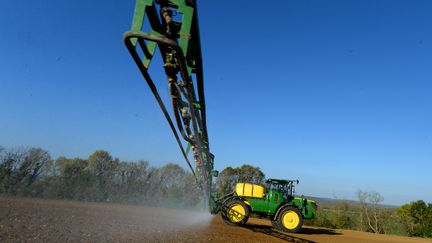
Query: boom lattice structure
pixel 174 31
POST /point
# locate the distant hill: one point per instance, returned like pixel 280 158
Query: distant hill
pixel 331 201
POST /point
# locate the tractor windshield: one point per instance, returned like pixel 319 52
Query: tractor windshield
pixel 282 188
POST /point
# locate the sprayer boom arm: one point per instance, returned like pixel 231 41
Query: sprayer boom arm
pixel 173 29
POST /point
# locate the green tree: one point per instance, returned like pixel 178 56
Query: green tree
pixel 75 179
pixel 103 168
pixel 345 219
pixel 131 181
pixel 417 217
pixel 227 179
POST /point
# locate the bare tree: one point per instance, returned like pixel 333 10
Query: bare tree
pixel 20 167
pixel 372 210
pixel 34 161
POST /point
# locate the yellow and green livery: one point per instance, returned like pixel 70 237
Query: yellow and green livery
pixel 274 200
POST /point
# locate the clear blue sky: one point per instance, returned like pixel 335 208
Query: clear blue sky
pixel 334 93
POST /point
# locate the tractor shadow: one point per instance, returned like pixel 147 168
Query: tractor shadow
pixel 269 230
pixel 318 231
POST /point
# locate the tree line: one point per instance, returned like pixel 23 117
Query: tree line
pixel 99 178
pixel 369 215
pixel 103 178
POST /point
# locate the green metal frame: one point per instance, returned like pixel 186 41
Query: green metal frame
pixel 179 45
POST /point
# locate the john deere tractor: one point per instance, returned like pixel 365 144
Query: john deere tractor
pixel 274 200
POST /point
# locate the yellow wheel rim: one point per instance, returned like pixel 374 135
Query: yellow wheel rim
pixel 236 213
pixel 290 220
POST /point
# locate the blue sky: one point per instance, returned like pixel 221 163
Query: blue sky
pixel 334 93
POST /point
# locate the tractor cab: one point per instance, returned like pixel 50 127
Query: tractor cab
pixel 284 187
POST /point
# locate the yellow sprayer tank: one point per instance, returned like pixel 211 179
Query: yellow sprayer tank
pixel 249 190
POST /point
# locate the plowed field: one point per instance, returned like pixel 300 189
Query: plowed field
pixel 37 220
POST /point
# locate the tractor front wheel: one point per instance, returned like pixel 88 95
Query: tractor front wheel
pixel 235 212
pixel 290 220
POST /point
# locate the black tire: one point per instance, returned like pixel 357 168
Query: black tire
pixel 235 212
pixel 275 224
pixel 290 219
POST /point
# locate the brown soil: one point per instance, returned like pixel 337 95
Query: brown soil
pixel 37 220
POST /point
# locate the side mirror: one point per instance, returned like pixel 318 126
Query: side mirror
pixel 215 173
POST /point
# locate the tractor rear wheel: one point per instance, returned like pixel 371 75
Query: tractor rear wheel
pixel 290 220
pixel 235 212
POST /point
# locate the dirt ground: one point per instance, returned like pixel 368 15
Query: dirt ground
pixel 37 220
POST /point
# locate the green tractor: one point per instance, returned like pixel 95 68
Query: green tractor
pixel 274 200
